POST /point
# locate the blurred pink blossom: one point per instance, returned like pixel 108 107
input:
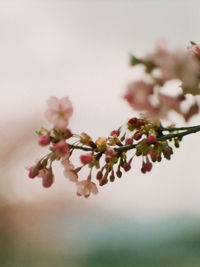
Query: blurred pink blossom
pixel 61 148
pixel 85 188
pixel 69 170
pixel 59 111
pixel 138 94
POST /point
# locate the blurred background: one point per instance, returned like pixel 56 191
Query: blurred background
pixel 81 49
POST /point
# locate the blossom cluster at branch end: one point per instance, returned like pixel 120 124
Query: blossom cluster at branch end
pixel 160 67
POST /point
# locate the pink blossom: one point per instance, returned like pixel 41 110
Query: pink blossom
pixel 69 170
pixel 177 65
pixel 85 188
pixel 138 95
pixel 86 158
pixel 70 173
pixel 110 152
pixel 168 103
pixel 47 177
pixel 43 140
pixel 59 111
pixel 194 49
pixel 61 148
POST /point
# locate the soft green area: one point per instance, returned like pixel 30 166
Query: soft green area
pixel 172 243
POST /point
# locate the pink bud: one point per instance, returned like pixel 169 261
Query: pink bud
pixel 143 169
pixel 47 177
pixel 151 139
pixel 86 158
pixel 133 121
pixel 114 133
pixel 33 172
pixel 43 140
pixel 129 141
pixel 99 175
pixel 127 167
pixel 148 166
pixel 67 133
pixel 47 181
pixel 137 135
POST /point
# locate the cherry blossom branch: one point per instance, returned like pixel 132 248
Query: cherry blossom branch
pixel 152 142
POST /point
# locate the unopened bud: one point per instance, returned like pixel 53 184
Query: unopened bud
pixel 43 140
pixel 119 173
pixel 127 166
pixel 112 176
pixel 151 139
pixel 86 158
pixel 99 175
pixel 115 133
pixel 33 172
pixel 137 135
pixel 129 141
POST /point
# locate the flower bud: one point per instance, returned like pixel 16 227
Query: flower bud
pixel 43 140
pixel 143 169
pixel 99 175
pixel 167 152
pixel 137 135
pixel 48 180
pixel 61 148
pixel 67 133
pixel 86 158
pixel 133 122
pixel 47 177
pixel 176 143
pixel 112 176
pixel 115 133
pixel 151 139
pixel 127 166
pixel 33 172
pixel 129 141
pixel 148 166
pixel 119 173
pixel 104 180
pixel 154 154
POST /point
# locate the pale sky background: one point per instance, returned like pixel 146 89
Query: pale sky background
pixel 81 49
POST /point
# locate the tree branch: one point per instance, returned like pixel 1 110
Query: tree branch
pixel 186 131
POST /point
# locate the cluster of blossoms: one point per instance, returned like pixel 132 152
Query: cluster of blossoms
pixel 160 67
pixel 107 157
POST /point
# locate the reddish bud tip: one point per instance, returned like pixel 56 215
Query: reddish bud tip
pixel 137 135
pixel 129 141
pixel 127 167
pixel 43 140
pixel 33 172
pixel 86 158
pixel 99 175
pixel 114 133
pixel 133 121
pixel 151 139
pixel 47 182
